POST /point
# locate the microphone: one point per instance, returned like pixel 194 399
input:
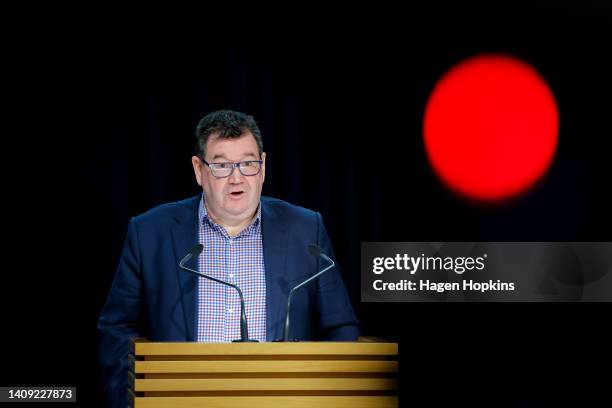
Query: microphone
pixel 314 251
pixel 244 330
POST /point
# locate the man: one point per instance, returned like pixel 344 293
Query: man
pixel 258 243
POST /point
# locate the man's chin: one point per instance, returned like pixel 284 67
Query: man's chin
pixel 239 210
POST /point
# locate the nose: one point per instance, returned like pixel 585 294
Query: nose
pixel 236 177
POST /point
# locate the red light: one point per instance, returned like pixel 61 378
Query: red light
pixel 490 127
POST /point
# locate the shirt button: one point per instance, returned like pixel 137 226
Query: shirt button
pixel 230 310
pixel 231 275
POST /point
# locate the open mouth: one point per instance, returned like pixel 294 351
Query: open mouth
pixel 237 194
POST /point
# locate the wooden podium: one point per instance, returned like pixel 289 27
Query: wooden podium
pixel 264 375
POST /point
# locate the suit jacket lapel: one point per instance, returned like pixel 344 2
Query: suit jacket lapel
pixel 185 236
pixel 275 254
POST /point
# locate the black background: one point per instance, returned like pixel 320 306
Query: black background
pixel 100 108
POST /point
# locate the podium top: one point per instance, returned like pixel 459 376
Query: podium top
pixel 145 348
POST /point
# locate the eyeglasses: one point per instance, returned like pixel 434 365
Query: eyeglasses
pixel 247 168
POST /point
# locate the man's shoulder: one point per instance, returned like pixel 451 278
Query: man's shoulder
pixel 175 211
pixel 285 210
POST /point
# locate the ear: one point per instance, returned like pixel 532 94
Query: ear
pixel 263 167
pixel 197 169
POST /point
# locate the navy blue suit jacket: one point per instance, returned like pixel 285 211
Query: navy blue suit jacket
pixel 151 297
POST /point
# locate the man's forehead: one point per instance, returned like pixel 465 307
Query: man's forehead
pixel 245 144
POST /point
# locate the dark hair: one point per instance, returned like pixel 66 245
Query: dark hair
pixel 226 124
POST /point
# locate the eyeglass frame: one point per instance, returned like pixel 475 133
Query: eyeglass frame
pixel 234 166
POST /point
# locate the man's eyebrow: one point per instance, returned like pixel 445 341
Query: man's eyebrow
pixel 218 156
pixel 223 156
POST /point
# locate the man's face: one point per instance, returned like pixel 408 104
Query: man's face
pixel 234 199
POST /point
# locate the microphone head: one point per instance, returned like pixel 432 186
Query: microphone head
pixel 314 250
pixel 196 250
